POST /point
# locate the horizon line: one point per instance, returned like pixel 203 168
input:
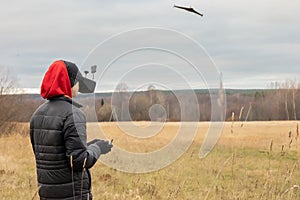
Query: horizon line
pixel 37 90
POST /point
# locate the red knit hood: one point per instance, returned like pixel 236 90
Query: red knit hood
pixel 56 81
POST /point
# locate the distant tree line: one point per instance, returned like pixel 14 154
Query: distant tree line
pixel 13 108
pixel 280 102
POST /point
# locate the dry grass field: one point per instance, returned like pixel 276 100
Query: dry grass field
pixel 259 160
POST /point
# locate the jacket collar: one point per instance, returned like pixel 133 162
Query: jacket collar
pixel 64 98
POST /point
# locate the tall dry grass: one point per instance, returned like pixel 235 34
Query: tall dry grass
pixel 17 166
pixel 248 164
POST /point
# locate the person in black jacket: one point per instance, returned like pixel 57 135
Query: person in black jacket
pixel 58 136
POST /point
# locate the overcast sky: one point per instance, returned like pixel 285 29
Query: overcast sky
pixel 251 42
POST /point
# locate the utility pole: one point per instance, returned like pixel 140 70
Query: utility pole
pixel 93 70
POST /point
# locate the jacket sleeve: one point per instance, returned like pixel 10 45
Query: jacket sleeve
pixel 31 135
pixel 77 151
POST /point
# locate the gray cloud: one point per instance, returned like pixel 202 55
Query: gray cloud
pixel 256 41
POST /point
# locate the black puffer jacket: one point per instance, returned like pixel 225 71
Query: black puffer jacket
pixel 58 137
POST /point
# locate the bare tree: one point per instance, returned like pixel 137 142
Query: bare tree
pixel 139 106
pixel 8 102
pixel 294 89
pixel 120 102
pixel 7 82
pixel 151 89
pixel 105 113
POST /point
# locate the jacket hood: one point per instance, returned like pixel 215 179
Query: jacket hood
pixel 56 81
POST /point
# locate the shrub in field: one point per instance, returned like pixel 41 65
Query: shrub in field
pixel 105 113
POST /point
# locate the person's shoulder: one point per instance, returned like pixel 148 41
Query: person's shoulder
pixel 77 111
pixel 38 111
pixel 60 107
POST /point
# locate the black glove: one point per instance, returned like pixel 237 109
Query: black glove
pixel 92 142
pixel 104 145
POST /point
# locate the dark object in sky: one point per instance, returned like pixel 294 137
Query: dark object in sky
pixel 190 9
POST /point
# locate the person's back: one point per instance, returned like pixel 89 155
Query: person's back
pixel 58 137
